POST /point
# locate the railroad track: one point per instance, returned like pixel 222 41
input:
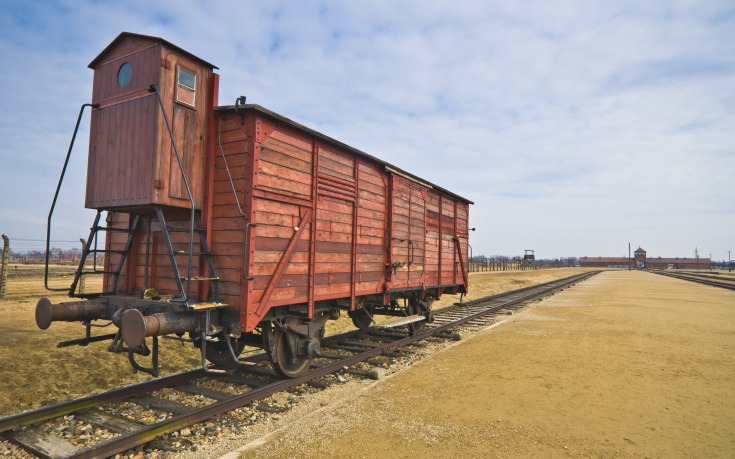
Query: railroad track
pixel 700 278
pixel 36 432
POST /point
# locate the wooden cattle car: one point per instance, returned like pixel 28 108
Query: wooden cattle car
pixel 242 227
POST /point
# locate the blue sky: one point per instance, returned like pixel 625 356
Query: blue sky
pixel 575 127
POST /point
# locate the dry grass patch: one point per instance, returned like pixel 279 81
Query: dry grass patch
pixel 35 372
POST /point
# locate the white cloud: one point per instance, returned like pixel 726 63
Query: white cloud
pixel 575 127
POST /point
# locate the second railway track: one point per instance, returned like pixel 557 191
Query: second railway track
pixel 36 432
pixel 706 279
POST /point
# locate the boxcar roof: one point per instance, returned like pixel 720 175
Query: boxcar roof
pixel 146 37
pixel 301 127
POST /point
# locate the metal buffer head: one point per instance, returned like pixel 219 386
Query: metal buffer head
pixel 47 312
pixel 136 327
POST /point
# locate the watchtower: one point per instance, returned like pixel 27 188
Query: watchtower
pixel 132 163
pixel 529 258
pixel 640 258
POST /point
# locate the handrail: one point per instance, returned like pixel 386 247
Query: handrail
pixel 154 88
pixel 56 196
pixel 410 256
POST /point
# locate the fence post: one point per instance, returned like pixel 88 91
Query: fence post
pixel 4 268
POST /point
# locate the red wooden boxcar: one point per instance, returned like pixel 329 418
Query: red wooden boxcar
pixel 288 226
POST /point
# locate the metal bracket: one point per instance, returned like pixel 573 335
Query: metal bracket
pixel 136 367
pixel 239 102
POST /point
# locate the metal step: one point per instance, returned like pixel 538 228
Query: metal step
pixel 121 230
pixel 184 252
pixel 399 321
pixel 172 228
pixel 203 306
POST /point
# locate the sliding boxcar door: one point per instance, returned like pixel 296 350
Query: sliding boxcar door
pixel 417 234
pixel 408 233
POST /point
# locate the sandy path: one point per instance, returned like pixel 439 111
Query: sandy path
pixel 624 364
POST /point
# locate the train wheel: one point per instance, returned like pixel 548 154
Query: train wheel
pixel 414 308
pixel 218 354
pixel 361 318
pixel 283 360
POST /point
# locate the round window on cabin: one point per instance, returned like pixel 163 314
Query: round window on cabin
pixel 124 75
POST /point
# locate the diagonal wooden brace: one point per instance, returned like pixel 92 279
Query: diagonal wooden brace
pixel 305 218
pixel 461 262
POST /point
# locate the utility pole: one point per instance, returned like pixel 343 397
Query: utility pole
pixel 629 256
pixel 729 268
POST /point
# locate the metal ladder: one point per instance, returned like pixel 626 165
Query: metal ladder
pixel 96 228
pixel 91 248
pixel 172 254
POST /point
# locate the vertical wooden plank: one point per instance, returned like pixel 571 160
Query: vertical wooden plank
pixel 456 237
pixel 133 187
pixel 114 161
pixel 94 137
pixel 312 240
pixel 148 147
pixel 353 269
pixel 441 239
pixel 246 308
pixel 134 166
pixel 107 264
pixel 121 150
pixel 154 256
pixel 389 233
pixel 208 192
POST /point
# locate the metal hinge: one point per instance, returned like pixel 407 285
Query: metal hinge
pixel 165 63
pixel 158 184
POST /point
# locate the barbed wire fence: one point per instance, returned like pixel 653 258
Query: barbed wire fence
pixel 18 251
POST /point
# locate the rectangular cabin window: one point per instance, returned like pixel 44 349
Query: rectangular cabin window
pixel 186 86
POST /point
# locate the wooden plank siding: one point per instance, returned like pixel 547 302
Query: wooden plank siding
pixel 131 161
pixel 160 273
pixel 341 251
pixel 361 218
pixel 228 224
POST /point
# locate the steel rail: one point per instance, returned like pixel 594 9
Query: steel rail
pixel 710 282
pixel 131 440
pixel 146 434
pixel 710 276
pixel 132 390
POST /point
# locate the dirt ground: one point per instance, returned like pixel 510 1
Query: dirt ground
pixel 626 364
pixel 34 372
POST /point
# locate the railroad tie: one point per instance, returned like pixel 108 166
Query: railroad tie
pixel 347 348
pixel 205 391
pixel 162 404
pixel 121 425
pixel 252 383
pixel 261 371
pixel 360 343
pixel 41 443
pixel 329 355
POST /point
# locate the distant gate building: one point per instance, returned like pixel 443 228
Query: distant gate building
pixel 641 261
